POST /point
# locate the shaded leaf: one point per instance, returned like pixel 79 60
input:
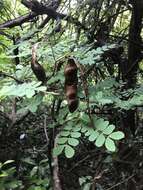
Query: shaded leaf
pixel 34 171
pixel 87 186
pixel 77 128
pixel 8 162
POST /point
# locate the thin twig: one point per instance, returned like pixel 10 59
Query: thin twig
pixel 125 180
pixel 45 129
pixel 13 112
pixel 83 160
pixel 10 76
pixel 53 54
pixel 97 177
pixel 86 92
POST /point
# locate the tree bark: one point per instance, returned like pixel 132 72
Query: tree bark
pixel 134 55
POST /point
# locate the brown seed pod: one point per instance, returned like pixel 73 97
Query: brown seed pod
pixel 71 91
pixel 37 69
pixel 71 81
pixel 73 104
pixel 70 72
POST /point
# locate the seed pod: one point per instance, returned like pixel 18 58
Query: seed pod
pixel 37 69
pixel 71 91
pixel 71 81
pixel 73 104
pixel 70 72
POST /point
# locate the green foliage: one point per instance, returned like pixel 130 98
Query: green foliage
pixel 68 139
pixel 31 104
pixel 26 89
pixel 100 133
pixel 105 93
pixel 38 177
pixel 86 56
pixel 7 179
pixel 35 177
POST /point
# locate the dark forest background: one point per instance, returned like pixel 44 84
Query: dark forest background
pixel 71 95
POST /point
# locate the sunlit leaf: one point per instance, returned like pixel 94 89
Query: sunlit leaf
pixel 69 151
pixel 109 130
pixel 93 136
pixel 100 140
pixel 117 135
pixel 62 140
pixel 73 142
pixel 58 150
pixel 110 145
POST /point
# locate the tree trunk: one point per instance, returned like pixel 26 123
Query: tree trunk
pixel 134 55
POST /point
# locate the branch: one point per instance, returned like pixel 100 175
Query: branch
pixel 57 183
pixel 18 21
pixel 13 111
pixel 40 9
